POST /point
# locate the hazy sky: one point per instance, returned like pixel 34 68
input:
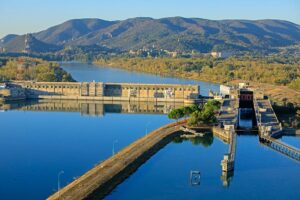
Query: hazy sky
pixel 23 16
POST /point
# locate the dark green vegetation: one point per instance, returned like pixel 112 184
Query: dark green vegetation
pixel 288 115
pixel 22 68
pixel 197 115
pixel 183 35
pixel 276 70
pixel 205 140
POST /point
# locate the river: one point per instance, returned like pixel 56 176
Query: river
pixel 39 139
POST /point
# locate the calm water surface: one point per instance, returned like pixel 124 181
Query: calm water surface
pixel 37 142
pixel 36 145
pixel 259 173
pixel 89 72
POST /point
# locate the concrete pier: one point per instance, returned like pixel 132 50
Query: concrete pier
pixel 103 178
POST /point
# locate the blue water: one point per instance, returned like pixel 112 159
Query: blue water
pixel 259 174
pixel 36 145
pixel 90 72
pixel 295 141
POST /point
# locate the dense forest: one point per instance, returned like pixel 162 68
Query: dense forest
pixel 24 68
pixel 272 69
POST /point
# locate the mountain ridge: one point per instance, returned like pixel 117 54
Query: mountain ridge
pixel 171 33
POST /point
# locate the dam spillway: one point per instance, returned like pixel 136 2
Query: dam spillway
pixel 110 91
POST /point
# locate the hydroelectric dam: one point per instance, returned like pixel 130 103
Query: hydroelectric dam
pixel 99 91
pixel 99 181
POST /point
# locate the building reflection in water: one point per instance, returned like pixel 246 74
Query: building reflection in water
pixel 93 108
pixel 206 141
pixel 100 108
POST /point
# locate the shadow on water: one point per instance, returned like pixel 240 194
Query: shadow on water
pixel 287 115
pixel 206 141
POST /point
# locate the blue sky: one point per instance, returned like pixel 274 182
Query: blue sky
pixel 23 16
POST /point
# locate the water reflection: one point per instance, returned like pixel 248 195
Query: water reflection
pixel 93 108
pixel 188 155
pixel 206 141
pixel 227 177
pixel 38 139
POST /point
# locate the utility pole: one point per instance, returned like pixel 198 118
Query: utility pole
pixel 113 149
pixel 58 182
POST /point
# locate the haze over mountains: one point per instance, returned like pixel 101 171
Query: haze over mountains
pixel 172 34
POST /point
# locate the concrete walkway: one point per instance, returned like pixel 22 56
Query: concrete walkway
pixel 103 178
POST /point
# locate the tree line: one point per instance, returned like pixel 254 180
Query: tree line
pixel 24 68
pixel 197 114
pixel 277 70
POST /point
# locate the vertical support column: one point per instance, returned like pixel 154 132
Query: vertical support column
pixel 147 88
pixel 79 88
pixel 174 93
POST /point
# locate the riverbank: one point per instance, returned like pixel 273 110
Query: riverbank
pixel 268 74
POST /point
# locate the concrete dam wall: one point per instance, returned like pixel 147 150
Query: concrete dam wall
pixel 111 91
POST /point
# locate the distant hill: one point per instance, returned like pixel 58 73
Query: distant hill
pixel 71 30
pixel 173 34
pixel 7 38
pixel 28 44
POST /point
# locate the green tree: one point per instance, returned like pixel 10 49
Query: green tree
pixel 176 114
pixel 46 77
pixel 214 104
pixel 207 115
pixel 194 108
pixel 187 110
pixel 194 118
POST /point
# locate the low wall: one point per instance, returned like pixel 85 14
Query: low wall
pixel 104 177
pixel 220 133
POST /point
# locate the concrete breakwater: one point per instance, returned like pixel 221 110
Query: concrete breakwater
pixel 104 177
pixel 109 91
